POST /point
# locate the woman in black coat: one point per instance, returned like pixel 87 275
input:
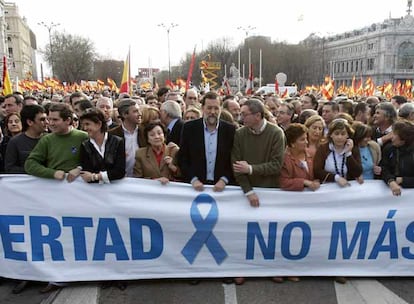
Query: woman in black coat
pixel 398 158
pixel 102 156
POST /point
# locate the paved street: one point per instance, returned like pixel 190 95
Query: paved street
pixel 257 291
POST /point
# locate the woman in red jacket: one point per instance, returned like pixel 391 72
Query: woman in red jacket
pixel 297 169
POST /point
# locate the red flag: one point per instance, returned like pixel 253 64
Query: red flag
pixel 397 88
pixel 353 88
pixel 168 83
pixel 328 88
pixel 112 85
pixel 276 87
pixel 180 83
pixel 360 89
pixel 190 71
pixel 369 87
pixel 125 86
pixel 228 88
pixel 285 94
pixel 249 85
pixel 408 89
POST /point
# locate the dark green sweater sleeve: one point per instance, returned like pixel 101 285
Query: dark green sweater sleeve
pixel 36 162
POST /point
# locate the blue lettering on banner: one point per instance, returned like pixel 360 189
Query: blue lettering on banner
pixel 204 233
pixel 409 234
pixel 38 239
pixel 392 247
pixel 49 234
pixel 46 230
pixel 305 244
pixel 108 226
pixel 385 242
pixel 8 238
pixel 137 243
pixel 78 225
pixel 360 235
pixel 254 233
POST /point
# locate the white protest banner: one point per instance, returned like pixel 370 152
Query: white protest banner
pixel 136 229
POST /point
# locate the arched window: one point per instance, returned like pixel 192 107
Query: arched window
pixel 406 56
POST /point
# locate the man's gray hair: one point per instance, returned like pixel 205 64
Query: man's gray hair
pixel 406 109
pixel 172 108
pixel 102 99
pixel 389 110
pixel 255 105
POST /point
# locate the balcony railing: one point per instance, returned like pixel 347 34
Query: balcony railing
pixel 404 71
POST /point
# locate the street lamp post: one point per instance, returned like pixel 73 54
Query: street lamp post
pixel 168 28
pixel 49 28
pixel 246 29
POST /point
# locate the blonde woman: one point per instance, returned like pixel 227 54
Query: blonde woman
pixel 192 113
pixel 315 125
pixel 150 115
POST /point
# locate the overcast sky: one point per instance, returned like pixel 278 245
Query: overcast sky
pixel 116 25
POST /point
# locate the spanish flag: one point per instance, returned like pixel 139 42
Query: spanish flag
pixel 112 85
pixel 7 85
pixel 125 85
pixel 190 71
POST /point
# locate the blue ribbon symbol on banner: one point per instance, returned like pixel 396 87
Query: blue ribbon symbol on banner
pixel 204 233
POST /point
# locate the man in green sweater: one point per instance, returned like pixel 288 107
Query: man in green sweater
pixel 57 154
pixel 258 151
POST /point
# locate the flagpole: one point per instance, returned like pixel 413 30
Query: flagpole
pixel 238 79
pixel 250 70
pixel 129 71
pixel 250 61
pixel 260 68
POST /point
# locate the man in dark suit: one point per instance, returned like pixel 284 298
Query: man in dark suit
pixel 131 117
pixel 170 114
pixel 205 150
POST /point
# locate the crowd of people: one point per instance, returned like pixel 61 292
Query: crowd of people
pixel 201 138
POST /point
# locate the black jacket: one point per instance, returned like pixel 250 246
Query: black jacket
pixel 192 156
pixel 175 134
pixel 398 162
pixel 3 148
pixel 114 158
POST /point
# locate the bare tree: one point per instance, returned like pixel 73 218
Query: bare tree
pixel 299 61
pixel 71 57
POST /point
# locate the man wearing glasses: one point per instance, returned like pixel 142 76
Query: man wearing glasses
pixel 258 150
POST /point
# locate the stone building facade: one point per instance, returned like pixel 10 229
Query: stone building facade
pixel 20 44
pixel 383 51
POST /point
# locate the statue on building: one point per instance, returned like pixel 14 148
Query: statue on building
pixel 234 72
pixel 235 81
